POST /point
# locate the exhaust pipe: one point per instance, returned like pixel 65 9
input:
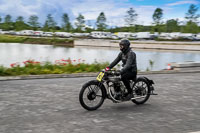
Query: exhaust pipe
pixel 137 97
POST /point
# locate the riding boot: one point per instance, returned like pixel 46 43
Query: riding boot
pixel 129 94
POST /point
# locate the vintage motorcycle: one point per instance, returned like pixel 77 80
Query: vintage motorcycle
pixel 108 85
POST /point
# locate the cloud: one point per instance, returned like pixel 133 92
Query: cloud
pixel 40 8
pixel 115 10
pixel 145 14
pixel 17 8
pixel 90 9
pixel 111 7
pixel 183 2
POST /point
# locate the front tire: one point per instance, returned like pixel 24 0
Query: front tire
pixel 141 89
pixel 92 95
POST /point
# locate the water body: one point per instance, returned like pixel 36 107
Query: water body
pixel 13 52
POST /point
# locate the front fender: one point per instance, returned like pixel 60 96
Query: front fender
pixel 100 84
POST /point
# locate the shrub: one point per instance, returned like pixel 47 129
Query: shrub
pixel 32 67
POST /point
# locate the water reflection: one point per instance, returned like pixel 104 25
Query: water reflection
pixel 11 53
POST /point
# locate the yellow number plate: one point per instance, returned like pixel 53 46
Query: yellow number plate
pixel 100 76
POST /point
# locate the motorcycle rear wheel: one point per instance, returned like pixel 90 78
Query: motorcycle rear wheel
pixel 141 89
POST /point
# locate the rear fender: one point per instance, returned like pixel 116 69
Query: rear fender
pixel 150 82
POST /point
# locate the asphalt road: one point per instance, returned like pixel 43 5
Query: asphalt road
pixel 52 106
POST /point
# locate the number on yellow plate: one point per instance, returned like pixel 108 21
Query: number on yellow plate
pixel 100 76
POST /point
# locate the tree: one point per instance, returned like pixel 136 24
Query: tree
pixel 33 22
pixel 101 22
pixel 50 24
pixel 131 17
pixel 20 19
pixel 172 25
pixel 1 24
pixel 8 19
pixel 157 18
pixel 20 24
pixel 192 15
pixel 190 27
pixel 66 23
pixel 80 23
pixel 8 24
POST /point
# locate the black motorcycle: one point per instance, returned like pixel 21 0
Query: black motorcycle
pixel 108 85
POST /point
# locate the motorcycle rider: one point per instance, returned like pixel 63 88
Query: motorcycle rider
pixel 129 64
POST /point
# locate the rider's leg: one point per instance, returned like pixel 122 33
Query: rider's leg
pixel 126 77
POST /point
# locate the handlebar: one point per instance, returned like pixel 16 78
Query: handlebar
pixel 112 72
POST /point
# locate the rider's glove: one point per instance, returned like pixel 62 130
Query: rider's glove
pixel 107 69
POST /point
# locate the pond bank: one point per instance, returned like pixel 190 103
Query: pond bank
pixel 36 40
pixel 70 42
pixel 80 75
pixel 165 45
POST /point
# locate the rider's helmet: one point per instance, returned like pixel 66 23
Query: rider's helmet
pixel 124 45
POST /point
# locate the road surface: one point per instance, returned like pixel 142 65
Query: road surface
pixel 52 106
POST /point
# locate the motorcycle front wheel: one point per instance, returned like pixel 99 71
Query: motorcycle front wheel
pixel 92 95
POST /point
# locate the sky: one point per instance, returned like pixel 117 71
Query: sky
pixel 115 10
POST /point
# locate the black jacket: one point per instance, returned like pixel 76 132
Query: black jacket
pixel 128 59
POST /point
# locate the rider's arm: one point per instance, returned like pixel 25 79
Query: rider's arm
pixel 116 61
pixel 130 62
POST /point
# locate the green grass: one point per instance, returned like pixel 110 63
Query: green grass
pixel 32 40
pixel 12 39
pixel 32 67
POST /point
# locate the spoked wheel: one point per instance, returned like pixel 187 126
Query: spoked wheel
pixel 141 91
pixel 92 95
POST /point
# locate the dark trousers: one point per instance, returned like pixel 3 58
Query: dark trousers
pixel 126 77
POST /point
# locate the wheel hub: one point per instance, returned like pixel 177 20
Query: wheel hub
pixel 91 96
pixel 139 90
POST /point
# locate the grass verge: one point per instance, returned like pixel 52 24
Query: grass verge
pixel 32 40
pixel 31 67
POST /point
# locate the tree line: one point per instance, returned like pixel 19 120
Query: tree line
pixel 158 25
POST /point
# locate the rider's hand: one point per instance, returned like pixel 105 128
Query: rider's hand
pixel 107 69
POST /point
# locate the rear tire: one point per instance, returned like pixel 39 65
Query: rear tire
pixel 141 88
pixel 92 95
